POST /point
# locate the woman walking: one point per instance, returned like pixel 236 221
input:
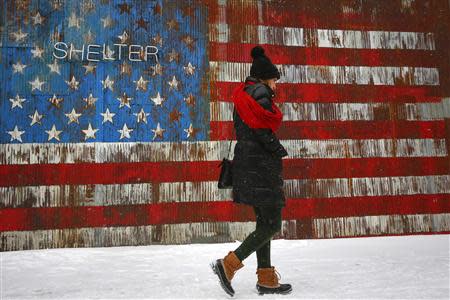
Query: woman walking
pixel 257 178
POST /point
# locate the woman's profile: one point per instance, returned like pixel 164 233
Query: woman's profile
pixel 257 173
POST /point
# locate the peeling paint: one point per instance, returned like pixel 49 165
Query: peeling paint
pixel 374 186
pixel 207 191
pixel 297 111
pixel 191 191
pixel 380 225
pixel 236 72
pixel 219 232
pixel 75 195
pixel 216 150
pixel 365 148
pixel 305 37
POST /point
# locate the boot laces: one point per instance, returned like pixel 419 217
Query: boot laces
pixel 276 275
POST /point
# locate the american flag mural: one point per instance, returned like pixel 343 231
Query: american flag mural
pixel 114 116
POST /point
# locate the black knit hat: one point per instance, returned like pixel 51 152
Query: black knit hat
pixel 262 67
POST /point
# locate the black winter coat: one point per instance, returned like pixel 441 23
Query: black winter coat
pixel 257 166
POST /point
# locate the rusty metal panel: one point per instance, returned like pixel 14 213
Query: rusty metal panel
pixel 115 114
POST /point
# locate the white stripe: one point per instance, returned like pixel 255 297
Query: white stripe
pixel 425 111
pixel 368 186
pixel 187 191
pixel 206 191
pixel 70 153
pixel 446 107
pixel 380 225
pixel 315 188
pixel 219 232
pixel 328 38
pixel 341 148
pixel 402 185
pixel 362 75
pixel 126 235
pixel 76 195
pixel 292 111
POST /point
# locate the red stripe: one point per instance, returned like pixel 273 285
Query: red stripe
pixel 235 52
pixel 363 167
pixel 121 173
pixel 224 211
pixel 383 129
pixel 329 14
pixel 106 173
pixel 300 92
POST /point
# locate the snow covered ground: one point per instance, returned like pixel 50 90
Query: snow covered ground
pixel 404 267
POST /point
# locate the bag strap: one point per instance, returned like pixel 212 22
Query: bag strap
pixel 229 147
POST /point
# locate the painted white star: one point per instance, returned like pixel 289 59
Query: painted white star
pixel 189 69
pixel 158 132
pixel 158 40
pixel 173 83
pixel 35 118
pixel 158 100
pixel 107 22
pixel 19 35
pixel 90 68
pixel 124 100
pixel 74 21
pixel 18 67
pixel 38 19
pixel 190 131
pixel 55 101
pixel 37 52
pixel 54 67
pixel 16 101
pixel 89 132
pixel 190 42
pixel 173 55
pixel 36 84
pixel 125 132
pixel 141 116
pixel 73 83
pixel 57 4
pixel 16 134
pixel 141 84
pixel 107 116
pixel 73 116
pixel 89 37
pixel 88 6
pixel 108 83
pixel 53 133
pixel 124 37
pixel 90 101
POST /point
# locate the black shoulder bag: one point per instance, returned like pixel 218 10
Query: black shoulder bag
pixel 226 174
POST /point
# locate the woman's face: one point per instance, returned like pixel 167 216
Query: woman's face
pixel 271 83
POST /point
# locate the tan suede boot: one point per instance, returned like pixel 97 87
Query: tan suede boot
pixel 231 264
pixel 268 282
pixel 225 269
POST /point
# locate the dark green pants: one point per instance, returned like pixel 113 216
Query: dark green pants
pixel 268 223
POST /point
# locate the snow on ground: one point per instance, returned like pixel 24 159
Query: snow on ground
pixel 404 267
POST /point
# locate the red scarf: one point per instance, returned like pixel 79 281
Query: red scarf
pixel 252 113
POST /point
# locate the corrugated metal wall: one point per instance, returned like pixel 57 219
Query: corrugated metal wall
pixel 365 94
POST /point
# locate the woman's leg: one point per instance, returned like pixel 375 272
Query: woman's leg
pixel 268 222
pixel 263 256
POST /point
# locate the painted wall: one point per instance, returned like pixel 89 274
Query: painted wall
pixel 114 116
